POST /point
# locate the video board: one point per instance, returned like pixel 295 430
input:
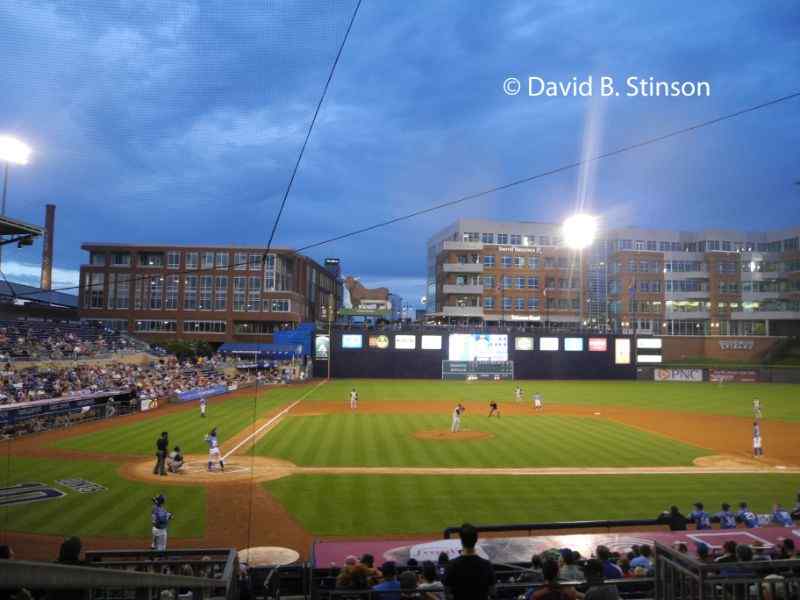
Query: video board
pixel 478 346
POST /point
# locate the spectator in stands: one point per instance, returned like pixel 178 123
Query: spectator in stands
pixel 389 589
pixel 597 588
pixel 441 563
pixel 469 577
pixel 6 553
pixel 429 583
pixel 568 570
pixel 786 549
pixel 704 553
pixel 644 559
pixel 673 518
pixel 374 575
pixel 796 509
pixel 610 570
pixel 552 588
pixel 700 517
pixel 728 552
pixel 70 552
pixel 408 585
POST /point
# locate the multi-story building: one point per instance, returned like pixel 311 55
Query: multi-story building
pixel 712 282
pixel 210 293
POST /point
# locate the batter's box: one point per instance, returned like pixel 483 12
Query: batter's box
pixel 198 467
pixel 715 539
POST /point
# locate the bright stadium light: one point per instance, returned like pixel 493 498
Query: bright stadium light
pixel 579 231
pixel 14 151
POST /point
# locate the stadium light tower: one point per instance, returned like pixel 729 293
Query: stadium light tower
pixel 578 232
pixel 12 151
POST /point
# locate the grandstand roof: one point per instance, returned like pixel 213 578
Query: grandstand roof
pixel 38 295
pixel 9 226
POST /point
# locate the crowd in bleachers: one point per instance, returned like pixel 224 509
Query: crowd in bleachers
pixel 53 340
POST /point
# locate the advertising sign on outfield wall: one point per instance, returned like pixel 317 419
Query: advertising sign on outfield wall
pixel 721 375
pixel 678 374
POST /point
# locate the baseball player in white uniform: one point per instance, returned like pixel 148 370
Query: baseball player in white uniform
pixel 456 424
pixel 518 394
pixel 353 399
pixel 537 401
pixel 757 408
pixel 202 407
pixel 757 448
pixel 213 450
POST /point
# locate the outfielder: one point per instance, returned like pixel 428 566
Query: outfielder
pixel 160 518
pixel 537 401
pixel 457 412
pixel 213 450
pixel 202 407
pixel 518 394
pixel 353 399
pixel 757 409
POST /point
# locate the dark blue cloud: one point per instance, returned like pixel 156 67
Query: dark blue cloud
pixel 180 121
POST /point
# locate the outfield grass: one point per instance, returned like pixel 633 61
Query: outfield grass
pixel 519 441
pixel 779 401
pixel 123 510
pixel 379 505
pixel 186 428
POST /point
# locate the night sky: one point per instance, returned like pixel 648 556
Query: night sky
pixel 179 122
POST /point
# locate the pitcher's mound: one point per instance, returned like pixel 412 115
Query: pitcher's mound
pixel 728 461
pixel 447 435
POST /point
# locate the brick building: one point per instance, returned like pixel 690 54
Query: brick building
pixel 712 282
pixel 209 293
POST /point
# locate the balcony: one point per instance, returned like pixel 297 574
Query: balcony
pixel 462 311
pixel 462 268
pixel 451 245
pixel 462 289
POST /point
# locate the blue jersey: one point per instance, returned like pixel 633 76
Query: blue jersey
pixel 727 520
pixel 160 517
pixel 749 518
pixel 782 517
pixel 756 430
pixel 701 519
pixel 212 442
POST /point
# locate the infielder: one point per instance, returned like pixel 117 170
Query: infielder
pixel 353 399
pixel 537 401
pixel 213 450
pixel 757 449
pixel 160 518
pixel 493 410
pixel 518 394
pixel 202 407
pixel 757 409
pixel 457 412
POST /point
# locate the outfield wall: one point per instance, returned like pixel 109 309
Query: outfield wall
pixel 383 355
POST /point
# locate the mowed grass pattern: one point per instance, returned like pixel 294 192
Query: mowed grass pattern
pixel 373 440
pixel 379 505
pixel 123 510
pixel 779 401
pixel 186 428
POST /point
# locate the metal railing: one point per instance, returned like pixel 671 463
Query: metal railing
pixel 531 527
pixel 682 577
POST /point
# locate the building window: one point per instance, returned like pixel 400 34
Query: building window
pixel 488 303
pixel 549 262
pixel 487 238
pixel 506 303
pixel 221 293
pixel 173 260
pixel 519 262
pixel 506 261
pixel 98 259
pixel 516 239
pixel 152 326
pixel 151 259
pixel 222 260
pixel 488 281
pixel 192 260
pixel 533 283
pixel 506 282
pixel 94 294
pixel 240 261
pixel 156 290
pixel 519 304
pixel 206 290
pixel 279 305
pixel 190 293
pixel 208 260
pixel 254 294
pixel 171 297
pixel 204 326
pixel 121 259
pixel 651 245
pixel 239 293
pixel 471 236
pixel 255 262
pixel 123 291
pixel 533 262
pixel 488 261
pixel 502 238
pixel 533 304
pixel 519 282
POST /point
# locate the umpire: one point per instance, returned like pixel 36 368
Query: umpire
pixel 162 445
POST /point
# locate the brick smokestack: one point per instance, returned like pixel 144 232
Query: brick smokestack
pixel 47 246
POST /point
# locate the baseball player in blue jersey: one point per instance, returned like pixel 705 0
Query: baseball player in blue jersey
pixel 727 520
pixel 781 516
pixel 213 450
pixel 746 516
pixel 160 518
pixel 700 517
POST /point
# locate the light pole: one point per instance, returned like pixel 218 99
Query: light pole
pixel 578 232
pixel 12 151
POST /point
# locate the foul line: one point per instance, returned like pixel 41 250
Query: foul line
pixel 273 419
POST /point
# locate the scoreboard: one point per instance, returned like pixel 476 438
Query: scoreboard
pixel 477 369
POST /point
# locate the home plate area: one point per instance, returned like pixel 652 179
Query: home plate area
pixel 231 468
